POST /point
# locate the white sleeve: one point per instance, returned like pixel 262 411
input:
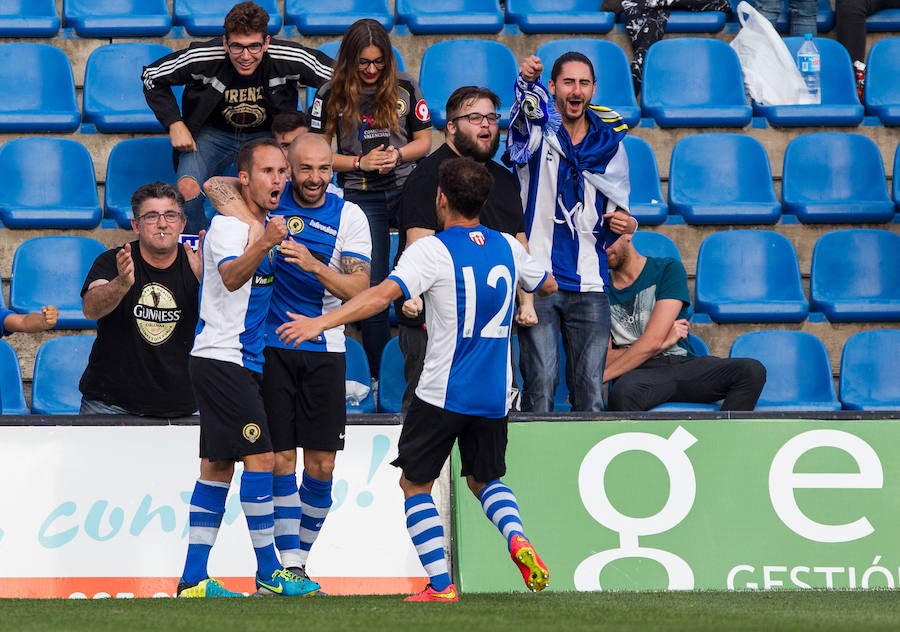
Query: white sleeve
pixel 529 273
pixel 226 238
pixel 354 235
pixel 417 268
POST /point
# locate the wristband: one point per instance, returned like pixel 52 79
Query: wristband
pixel 356 163
pixel 399 157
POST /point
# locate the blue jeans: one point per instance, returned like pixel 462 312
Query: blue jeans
pixel 216 151
pixel 803 14
pixel 380 208
pixel 583 320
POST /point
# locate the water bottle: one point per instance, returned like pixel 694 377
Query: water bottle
pixel 810 66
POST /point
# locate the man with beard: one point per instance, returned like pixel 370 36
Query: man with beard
pixel 325 260
pixel 472 131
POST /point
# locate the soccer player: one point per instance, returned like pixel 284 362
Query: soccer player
pixel 467 274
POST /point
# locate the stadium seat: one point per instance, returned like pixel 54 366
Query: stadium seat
pixel 870 364
pixel 824 18
pixel 722 178
pixel 358 376
pixel 113 96
pixel 696 21
pixel 559 16
pixel 835 177
pixel 43 100
pixel 117 18
pixel 468 17
pixel 896 180
pixel 391 378
pixel 487 63
pixel 335 17
pixel 652 244
pixel 855 275
pixel 798 370
pixel 12 393
pixel 206 18
pixel 886 20
pixel 48 183
pixel 58 366
pixel 614 88
pixel 840 104
pixel 38 279
pixel 882 91
pixel 647 202
pixel 28 18
pixel 561 396
pixel 706 92
pixel 749 276
pixel 331 49
pixel 131 163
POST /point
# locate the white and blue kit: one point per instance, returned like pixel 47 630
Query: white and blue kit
pixel 468 277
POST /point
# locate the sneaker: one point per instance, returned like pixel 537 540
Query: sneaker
pixel 534 571
pixel 300 571
pixel 286 583
pixel 859 73
pixel 206 588
pixel 430 594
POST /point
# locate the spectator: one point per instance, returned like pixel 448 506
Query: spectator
pixel 144 299
pixel 649 361
pixel 289 125
pixel 11 322
pixel 233 86
pixel 574 175
pixel 803 14
pixel 472 131
pixel 850 23
pixel 382 127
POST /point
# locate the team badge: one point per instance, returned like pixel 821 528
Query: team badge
pixel 251 432
pixel 477 237
pixel 422 111
pixel 316 108
pixel 402 107
pixel 295 225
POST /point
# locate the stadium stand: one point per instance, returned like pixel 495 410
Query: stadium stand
pixel 882 91
pixel 57 370
pixel 133 162
pixel 647 202
pixel 559 16
pixel 117 18
pixel 466 17
pixel 12 393
pixel 358 372
pixel 29 18
pixel 870 363
pixel 334 17
pixel 205 18
pixel 391 380
pixel 652 244
pixel 44 98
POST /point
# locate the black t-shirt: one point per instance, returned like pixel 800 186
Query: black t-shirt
pixel 140 358
pixel 502 211
pixel 243 106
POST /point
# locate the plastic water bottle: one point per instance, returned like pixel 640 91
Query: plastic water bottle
pixel 809 63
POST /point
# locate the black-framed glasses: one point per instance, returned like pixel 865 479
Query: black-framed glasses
pixel 170 216
pixel 365 63
pixel 238 49
pixel 476 118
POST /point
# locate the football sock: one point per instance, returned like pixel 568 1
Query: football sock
pixel 315 501
pixel 424 526
pixel 287 519
pixel 206 512
pixel 499 504
pixel 256 500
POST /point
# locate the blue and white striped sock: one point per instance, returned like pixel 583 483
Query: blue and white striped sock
pixel 424 526
pixel 287 519
pixel 499 504
pixel 315 501
pixel 256 500
pixel 206 513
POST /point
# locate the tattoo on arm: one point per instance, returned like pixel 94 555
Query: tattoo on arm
pixel 354 264
pixel 221 193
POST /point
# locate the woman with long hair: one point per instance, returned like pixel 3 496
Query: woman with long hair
pixel 382 126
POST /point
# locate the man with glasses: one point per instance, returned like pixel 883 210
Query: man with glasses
pixel 233 86
pixel 472 131
pixel 144 298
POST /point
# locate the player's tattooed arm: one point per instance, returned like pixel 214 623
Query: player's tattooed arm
pixel 351 265
pixel 347 284
pixel 224 194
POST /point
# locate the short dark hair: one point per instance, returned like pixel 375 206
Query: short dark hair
pixel 155 191
pixel 463 95
pixel 566 58
pixel 248 149
pixel 466 184
pixel 289 121
pixel 246 18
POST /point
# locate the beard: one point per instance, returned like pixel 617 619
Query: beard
pixel 302 196
pixel 468 145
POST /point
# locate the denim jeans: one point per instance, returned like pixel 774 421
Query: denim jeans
pixel 380 208
pixel 583 320
pixel 802 14
pixel 216 151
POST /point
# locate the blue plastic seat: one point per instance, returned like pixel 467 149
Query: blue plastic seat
pixel 38 279
pixel 835 177
pixel 331 49
pixel 48 183
pixel 133 162
pixel 696 21
pixel 58 366
pixel 614 88
pixel 652 244
pixel 12 393
pixel 824 18
pixel 886 20
pixel 113 96
pixel 559 16
pixel 206 18
pixel 896 180
pixel 487 63
pixel 882 91
pixel 358 371
pixel 721 178
pixel 706 92
pixel 29 18
pixel 391 378
pixel 870 364
pixel 335 17
pixel 749 276
pixel 798 370
pixel 647 202
pixel 43 100
pixel 118 18
pixel 855 275
pixel 840 104
pixel 427 17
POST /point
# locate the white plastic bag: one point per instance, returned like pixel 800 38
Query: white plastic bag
pixel 771 75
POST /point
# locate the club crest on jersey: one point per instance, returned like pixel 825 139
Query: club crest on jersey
pixel 402 107
pixel 295 225
pixel 251 432
pixel 477 237
pixel 422 112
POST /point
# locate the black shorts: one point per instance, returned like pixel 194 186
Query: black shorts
pixel 427 438
pixel 305 398
pixel 232 417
